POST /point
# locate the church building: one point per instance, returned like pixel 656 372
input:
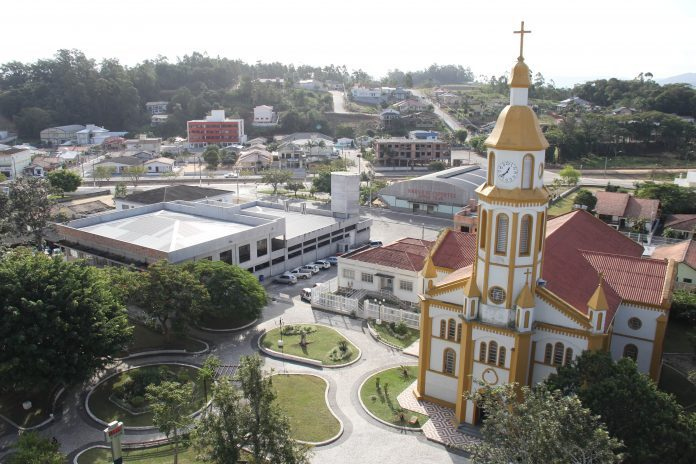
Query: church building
pixel 539 292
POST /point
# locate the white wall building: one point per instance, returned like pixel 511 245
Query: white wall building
pixel 144 143
pixel 686 181
pixel 157 107
pixel 264 116
pixel 13 161
pixel 159 165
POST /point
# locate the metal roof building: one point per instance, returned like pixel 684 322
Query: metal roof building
pixel 441 193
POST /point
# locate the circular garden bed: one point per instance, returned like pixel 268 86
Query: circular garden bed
pixel 379 394
pixel 303 399
pixel 313 342
pixel 122 396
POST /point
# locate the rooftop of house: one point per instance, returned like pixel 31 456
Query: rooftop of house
pixel 455 250
pixel 682 222
pixel 174 192
pixel 626 205
pixel 296 223
pixel 682 252
pixel 406 253
pixel 129 160
pixel 12 151
pixel 161 160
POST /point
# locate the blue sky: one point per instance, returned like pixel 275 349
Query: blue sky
pixel 570 41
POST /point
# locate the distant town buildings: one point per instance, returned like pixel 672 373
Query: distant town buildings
pixel 215 129
pixel 95 135
pixel 13 161
pixel 409 152
pixel 157 107
pixel 59 135
pixel 375 96
pixel 144 143
pixel 264 116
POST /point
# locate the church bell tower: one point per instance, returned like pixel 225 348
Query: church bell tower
pixel 512 206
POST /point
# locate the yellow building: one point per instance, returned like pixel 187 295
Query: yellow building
pixel 539 291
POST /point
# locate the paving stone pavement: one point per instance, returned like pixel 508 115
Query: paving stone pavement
pixel 363 441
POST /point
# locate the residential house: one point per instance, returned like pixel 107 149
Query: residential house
pixel 258 141
pixel 120 163
pixel 215 129
pixel 13 161
pixel 310 84
pixel 91 134
pixel 684 253
pixel 622 210
pixel 264 116
pixel 159 165
pixel 295 150
pixel 59 135
pixel 158 119
pixel 42 165
pixel 191 193
pixel 682 225
pixel 253 159
pixel 157 107
pixel 389 115
pixel 411 106
pixel 423 135
pixel 144 143
pixel 144 156
pixel 344 143
pixel 466 219
pixel 366 95
pixel 447 99
pixel 364 141
pixel 573 102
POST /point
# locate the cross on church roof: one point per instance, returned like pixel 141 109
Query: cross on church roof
pixel 526 274
pixel 522 32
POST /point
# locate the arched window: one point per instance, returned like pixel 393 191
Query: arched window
pixel 501 233
pixel 501 356
pixel 482 352
pixel 630 351
pixel 448 361
pixel 492 352
pixel 525 234
pixel 527 171
pixel 600 320
pixel 491 167
pixel 451 329
pixel 568 356
pixel 443 329
pixel 459 333
pixel 548 353
pixel 558 354
pixel 482 228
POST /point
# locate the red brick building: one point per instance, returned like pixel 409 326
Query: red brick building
pixel 215 129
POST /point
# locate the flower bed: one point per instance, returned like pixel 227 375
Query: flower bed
pixel 314 342
pixel 397 334
pixel 379 396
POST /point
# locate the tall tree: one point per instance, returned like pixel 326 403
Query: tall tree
pixel 276 177
pixel 211 155
pixel 294 187
pixel 134 173
pixel 673 198
pixel 322 182
pixel 169 401
pixel 173 296
pixel 32 448
pixel 533 426
pixel 569 175
pixel 103 172
pixel 64 180
pixel 30 206
pixel 220 435
pixel 652 425
pixel 60 318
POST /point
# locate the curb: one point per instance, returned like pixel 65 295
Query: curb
pixel 126 427
pixel 328 406
pixel 379 339
pixel 50 419
pixel 310 362
pixel 398 427
pixel 234 329
pixel 77 456
pixel 141 354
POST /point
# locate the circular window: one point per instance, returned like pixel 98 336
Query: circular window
pixel 497 295
pixel 541 170
pixel 635 323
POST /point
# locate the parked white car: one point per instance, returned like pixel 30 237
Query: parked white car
pixel 285 279
pixel 311 268
pixel 301 273
pixel 321 264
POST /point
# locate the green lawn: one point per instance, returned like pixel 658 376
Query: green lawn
pixel 664 160
pixel 146 339
pixel 224 323
pixel 386 406
pixel 565 205
pixel 11 407
pixel 302 399
pixel 411 336
pixel 673 382
pixel 106 410
pixel 676 340
pixel 320 343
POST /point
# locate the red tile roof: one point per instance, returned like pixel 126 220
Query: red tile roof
pixel 406 253
pixel 625 205
pixel 682 252
pixel 685 222
pixel 456 250
pixel 642 208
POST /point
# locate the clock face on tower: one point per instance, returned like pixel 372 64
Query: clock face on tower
pixel 506 171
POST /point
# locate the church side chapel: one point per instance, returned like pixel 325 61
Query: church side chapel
pixel 539 291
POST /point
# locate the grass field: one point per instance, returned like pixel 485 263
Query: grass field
pixel 411 336
pixel 565 205
pixel 319 344
pixel 146 339
pixel 664 160
pixel 302 397
pixel 385 405
pixel 106 410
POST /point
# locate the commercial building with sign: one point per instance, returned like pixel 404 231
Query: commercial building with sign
pixel 441 193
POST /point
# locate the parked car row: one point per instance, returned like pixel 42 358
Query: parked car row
pixel 306 271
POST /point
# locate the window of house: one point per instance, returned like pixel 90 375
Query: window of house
pixel 501 233
pixel 558 354
pixel 482 352
pixel 525 234
pixel 443 329
pixel 406 285
pixel 492 352
pixel 449 360
pixel 244 253
pixel 451 329
pixel 630 351
pixel 366 277
pixel 501 356
pixel 527 171
pixel 635 323
pixel 548 353
pixel 348 274
pixel 261 247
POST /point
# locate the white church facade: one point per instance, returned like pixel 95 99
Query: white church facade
pixel 539 291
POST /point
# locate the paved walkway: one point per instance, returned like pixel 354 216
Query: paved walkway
pixel 363 440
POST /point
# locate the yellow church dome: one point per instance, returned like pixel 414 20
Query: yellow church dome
pixel 520 75
pixel 518 129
